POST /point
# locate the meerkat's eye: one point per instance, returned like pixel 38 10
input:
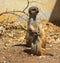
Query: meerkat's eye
pixel 33 9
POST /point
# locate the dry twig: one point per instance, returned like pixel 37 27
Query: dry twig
pixel 26 6
pixel 12 12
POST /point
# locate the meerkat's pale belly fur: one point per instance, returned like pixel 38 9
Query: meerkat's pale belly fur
pixel 36 26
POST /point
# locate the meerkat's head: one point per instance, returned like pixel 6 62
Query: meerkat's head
pixel 33 11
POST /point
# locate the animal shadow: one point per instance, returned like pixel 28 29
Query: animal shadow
pixel 26 48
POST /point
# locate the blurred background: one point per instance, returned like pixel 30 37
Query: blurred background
pixel 45 6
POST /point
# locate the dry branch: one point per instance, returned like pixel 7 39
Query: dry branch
pixel 26 6
pixel 12 12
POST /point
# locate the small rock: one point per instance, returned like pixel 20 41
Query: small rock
pixel 10 34
pixel 3 57
pixel 51 45
pixel 10 55
pixel 58 40
pixel 2 28
pixel 5 47
pixel 4 61
pixel 31 54
pixel 42 57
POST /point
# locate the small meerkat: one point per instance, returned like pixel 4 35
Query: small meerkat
pixel 36 34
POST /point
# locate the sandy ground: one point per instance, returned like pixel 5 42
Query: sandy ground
pixel 13 46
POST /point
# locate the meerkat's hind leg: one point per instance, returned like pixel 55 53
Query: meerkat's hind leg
pixel 35 48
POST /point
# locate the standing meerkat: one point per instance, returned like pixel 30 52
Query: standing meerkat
pixel 36 34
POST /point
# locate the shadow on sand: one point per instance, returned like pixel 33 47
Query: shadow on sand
pixel 26 50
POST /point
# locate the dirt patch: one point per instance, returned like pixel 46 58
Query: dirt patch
pixel 13 46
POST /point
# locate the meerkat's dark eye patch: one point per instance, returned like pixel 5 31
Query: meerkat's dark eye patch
pixel 34 9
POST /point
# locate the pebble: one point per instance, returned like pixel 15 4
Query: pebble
pixel 4 61
pixel 58 40
pixel 3 57
pixel 51 45
pixel 2 28
pixel 10 34
pixel 42 57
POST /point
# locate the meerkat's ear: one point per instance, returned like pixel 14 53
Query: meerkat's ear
pixel 37 10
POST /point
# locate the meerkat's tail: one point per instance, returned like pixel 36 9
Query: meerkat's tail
pixel 45 52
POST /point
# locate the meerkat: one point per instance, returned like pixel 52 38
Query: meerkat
pixel 36 34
